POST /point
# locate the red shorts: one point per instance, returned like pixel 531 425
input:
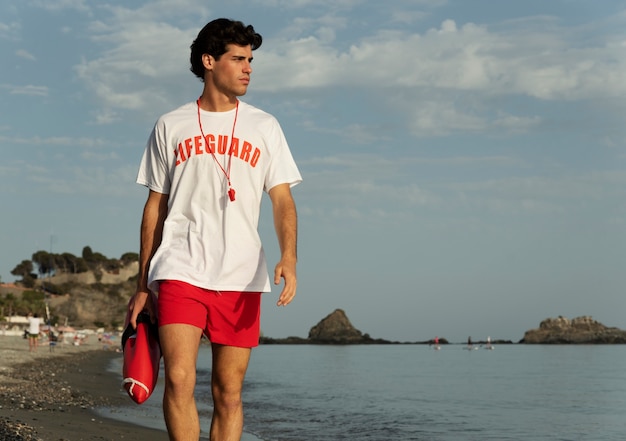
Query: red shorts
pixel 229 318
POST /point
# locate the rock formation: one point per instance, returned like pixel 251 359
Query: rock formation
pixel 336 328
pixel 581 330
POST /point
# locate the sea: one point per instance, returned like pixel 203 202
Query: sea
pixel 414 392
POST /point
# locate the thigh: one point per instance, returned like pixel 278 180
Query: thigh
pixel 229 367
pixel 179 346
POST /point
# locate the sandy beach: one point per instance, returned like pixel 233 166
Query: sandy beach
pixel 51 395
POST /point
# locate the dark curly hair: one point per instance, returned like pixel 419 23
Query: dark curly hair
pixel 214 37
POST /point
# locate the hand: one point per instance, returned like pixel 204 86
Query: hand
pixel 286 269
pixel 141 301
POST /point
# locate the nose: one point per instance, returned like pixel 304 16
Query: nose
pixel 247 67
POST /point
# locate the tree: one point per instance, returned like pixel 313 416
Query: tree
pixel 33 296
pixel 74 264
pixel 8 302
pixel 33 301
pixel 87 253
pixel 96 261
pixel 51 264
pixel 129 258
pixel 60 263
pixel 23 269
pixel 45 262
pixel 29 280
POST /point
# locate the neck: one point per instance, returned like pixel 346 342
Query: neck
pixel 213 102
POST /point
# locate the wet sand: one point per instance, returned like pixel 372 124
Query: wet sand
pixel 52 395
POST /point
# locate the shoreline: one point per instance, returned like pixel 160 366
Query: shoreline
pixel 60 395
pixel 54 395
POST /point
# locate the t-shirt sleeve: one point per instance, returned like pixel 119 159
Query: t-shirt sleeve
pixel 153 170
pixel 282 168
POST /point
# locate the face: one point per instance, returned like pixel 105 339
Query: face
pixel 231 73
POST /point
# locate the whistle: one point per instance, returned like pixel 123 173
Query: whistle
pixel 231 194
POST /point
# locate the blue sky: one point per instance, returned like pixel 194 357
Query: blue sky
pixel 463 161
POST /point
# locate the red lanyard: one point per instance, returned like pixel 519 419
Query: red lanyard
pixel 231 190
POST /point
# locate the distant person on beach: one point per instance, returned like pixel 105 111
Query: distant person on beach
pixel 33 331
pixel 206 165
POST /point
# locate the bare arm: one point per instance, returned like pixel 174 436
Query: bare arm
pixel 154 214
pixel 286 225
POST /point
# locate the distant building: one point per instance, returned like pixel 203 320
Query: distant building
pixel 13 325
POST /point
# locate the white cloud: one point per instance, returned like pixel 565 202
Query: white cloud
pixel 355 133
pixel 88 179
pixel 439 118
pixel 443 117
pixel 60 5
pixel 407 17
pixel 91 155
pixel 26 90
pixel 64 141
pixel 9 31
pixel 538 195
pixel 155 11
pixel 25 54
pixel 429 74
pixel 106 116
pixel 469 57
pixel 360 186
pixel 142 65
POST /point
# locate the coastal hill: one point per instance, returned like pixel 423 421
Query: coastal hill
pixel 85 300
pixel 88 302
pixel 580 330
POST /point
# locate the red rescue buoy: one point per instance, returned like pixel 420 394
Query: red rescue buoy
pixel 142 355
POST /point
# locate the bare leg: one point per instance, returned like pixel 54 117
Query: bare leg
pixel 179 343
pixel 229 369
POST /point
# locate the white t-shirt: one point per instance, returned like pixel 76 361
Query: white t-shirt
pixel 33 325
pixel 208 240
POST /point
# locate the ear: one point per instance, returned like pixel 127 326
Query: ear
pixel 208 61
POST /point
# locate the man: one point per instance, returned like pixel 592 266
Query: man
pixel 33 331
pixel 207 165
